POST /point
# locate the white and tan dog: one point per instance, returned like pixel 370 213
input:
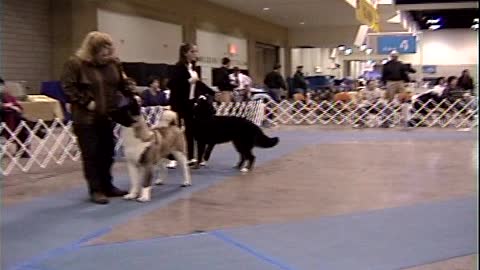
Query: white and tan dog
pixel 147 148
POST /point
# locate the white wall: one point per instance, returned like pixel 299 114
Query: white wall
pixel 214 46
pixel 323 37
pixel 140 39
pixel 451 50
pixel 450 47
pixel 310 59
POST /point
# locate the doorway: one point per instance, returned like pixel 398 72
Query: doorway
pixel 266 56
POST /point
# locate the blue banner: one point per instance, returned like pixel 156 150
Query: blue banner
pixel 402 44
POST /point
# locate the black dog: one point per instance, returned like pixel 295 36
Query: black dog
pixel 210 130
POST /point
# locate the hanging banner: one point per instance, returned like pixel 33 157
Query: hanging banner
pixel 367 14
pixel 403 44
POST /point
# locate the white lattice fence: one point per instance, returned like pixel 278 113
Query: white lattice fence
pixel 459 113
pixel 59 143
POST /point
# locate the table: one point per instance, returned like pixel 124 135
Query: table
pixel 41 107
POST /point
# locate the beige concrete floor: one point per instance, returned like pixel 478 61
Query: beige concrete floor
pixel 320 180
pixel 317 181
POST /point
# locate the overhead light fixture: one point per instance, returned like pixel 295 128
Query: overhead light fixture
pixel 368 51
pixel 302 23
pixel 434 27
pixel 433 21
pixel 341 47
pixel 363 47
pixel 348 51
pixel 266 8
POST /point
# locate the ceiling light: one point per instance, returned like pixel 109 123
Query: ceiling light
pixel 302 23
pixel 363 47
pixel 433 21
pixel 348 51
pixel 341 47
pixel 368 51
pixel 266 8
pixel 434 27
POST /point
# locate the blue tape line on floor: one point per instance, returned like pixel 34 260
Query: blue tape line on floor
pixel 33 262
pixel 250 250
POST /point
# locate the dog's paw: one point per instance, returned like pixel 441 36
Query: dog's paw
pixel 186 184
pixel 130 196
pixel 143 199
pixel 244 170
pixel 159 182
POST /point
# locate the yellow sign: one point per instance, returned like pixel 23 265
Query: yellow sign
pixel 367 14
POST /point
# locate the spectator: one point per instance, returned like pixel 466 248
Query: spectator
pixel 223 82
pixel 275 83
pixel 371 102
pixel 465 81
pixel 11 114
pixel 427 101
pixel 242 85
pixel 299 82
pixel 154 95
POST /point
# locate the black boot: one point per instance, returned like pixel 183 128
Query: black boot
pixel 99 198
pixel 116 192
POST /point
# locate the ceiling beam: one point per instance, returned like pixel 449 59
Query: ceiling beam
pixel 438 6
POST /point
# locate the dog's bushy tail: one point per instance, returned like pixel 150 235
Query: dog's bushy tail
pixel 262 140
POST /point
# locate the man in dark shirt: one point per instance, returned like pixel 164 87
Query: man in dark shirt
pixel 274 83
pixel 299 83
pixel 394 75
pixel 223 82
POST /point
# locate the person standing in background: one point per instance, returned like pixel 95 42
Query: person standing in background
pixel 242 83
pixel 223 82
pixel 275 83
pixel 465 81
pixel 299 83
pixel 394 75
pixel 93 81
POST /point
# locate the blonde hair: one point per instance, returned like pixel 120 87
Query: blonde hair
pixel 92 44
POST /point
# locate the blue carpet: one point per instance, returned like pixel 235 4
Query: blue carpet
pixel 385 239
pixel 33 228
pixel 181 253
pixel 376 240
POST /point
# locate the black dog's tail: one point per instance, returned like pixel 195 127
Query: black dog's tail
pixel 262 140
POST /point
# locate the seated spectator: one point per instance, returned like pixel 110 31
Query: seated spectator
pixel 154 95
pixel 371 101
pixel 465 81
pixel 11 114
pixel 428 100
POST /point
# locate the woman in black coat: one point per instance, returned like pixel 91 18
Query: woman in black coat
pixel 185 86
